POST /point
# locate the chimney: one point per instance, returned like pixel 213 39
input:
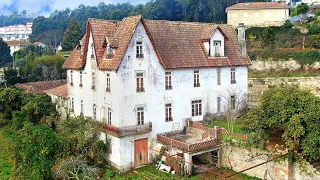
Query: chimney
pixel 242 39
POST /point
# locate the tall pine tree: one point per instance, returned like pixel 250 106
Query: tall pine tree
pixel 71 36
pixel 5 55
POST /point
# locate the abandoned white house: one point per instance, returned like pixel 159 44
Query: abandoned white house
pixel 143 78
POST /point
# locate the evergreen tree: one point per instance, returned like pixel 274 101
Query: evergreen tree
pixel 5 56
pixel 71 36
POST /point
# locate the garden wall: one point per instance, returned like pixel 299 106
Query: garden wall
pixel 239 159
pixel 258 86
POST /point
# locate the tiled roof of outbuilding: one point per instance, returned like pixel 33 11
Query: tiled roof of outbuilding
pixel 177 44
pixel 258 5
pixel 40 86
pixel 61 91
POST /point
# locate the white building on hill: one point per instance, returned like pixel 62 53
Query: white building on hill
pixel 16 32
pixel 145 77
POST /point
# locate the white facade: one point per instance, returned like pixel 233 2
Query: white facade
pixel 123 99
pixel 16 32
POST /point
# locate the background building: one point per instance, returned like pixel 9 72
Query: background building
pixel 16 32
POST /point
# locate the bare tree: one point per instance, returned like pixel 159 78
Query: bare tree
pixel 234 105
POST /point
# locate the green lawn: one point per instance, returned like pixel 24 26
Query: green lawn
pixel 5 163
pixel 237 128
pixel 151 173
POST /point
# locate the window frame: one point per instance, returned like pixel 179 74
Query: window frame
pixel 81 76
pixel 81 107
pixel 218 76
pixel 140 115
pixel 168 112
pixel 196 78
pixel 109 116
pixel 72 104
pixel 93 80
pixel 217 54
pixel 140 81
pixel 168 80
pixel 196 108
pixel 94 111
pixel 139 47
pixel 233 75
pixel 71 78
pixel 108 88
pixel 218 104
pixel 233 102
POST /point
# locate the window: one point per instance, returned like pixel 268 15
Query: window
pixel 71 78
pixel 196 76
pixel 92 52
pixel 168 112
pixel 109 116
pixel 233 75
pixel 109 52
pixel 108 83
pixel 72 104
pixel 140 115
pixel 80 85
pixel 233 102
pixel 93 81
pixel 217 48
pixel 168 81
pixel 219 76
pixel 219 104
pixel 139 48
pixel 94 111
pixel 139 77
pixel 81 107
pixel 196 108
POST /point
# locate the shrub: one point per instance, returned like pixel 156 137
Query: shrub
pixel 314 30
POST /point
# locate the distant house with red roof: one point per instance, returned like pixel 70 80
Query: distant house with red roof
pixel 258 14
pixel 144 77
pixel 40 86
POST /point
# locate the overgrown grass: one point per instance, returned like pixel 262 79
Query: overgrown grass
pixel 5 163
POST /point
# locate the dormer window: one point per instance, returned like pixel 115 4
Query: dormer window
pixel 109 52
pixel 92 52
pixel 217 43
pixel 139 48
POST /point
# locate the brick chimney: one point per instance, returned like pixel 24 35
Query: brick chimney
pixel 242 39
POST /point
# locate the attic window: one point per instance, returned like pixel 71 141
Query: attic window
pixel 139 48
pixel 109 52
pixel 92 52
pixel 217 48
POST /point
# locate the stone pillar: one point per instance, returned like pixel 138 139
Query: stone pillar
pixel 188 164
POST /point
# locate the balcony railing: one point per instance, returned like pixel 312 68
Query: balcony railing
pixel 128 130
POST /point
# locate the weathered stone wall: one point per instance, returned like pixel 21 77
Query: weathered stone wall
pixel 258 86
pixel 239 159
pixel 273 65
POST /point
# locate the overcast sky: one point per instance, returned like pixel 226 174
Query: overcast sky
pixel 44 7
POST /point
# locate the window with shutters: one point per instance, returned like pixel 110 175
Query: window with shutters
pixel 233 75
pixel 196 108
pixel 93 75
pixel 139 82
pixel 81 107
pixel 196 78
pixel 218 76
pixel 109 113
pixel 139 48
pixel 218 104
pixel 168 80
pixel 109 52
pixel 80 85
pixel 72 104
pixel 108 83
pixel 140 115
pixel 71 78
pixel 233 102
pixel 168 112
pixel 94 110
pixel 217 48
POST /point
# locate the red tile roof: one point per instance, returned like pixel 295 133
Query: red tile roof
pixel 258 5
pixel 38 87
pixel 17 43
pixel 61 91
pixel 177 44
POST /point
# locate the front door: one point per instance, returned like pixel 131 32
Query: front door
pixel 140 152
